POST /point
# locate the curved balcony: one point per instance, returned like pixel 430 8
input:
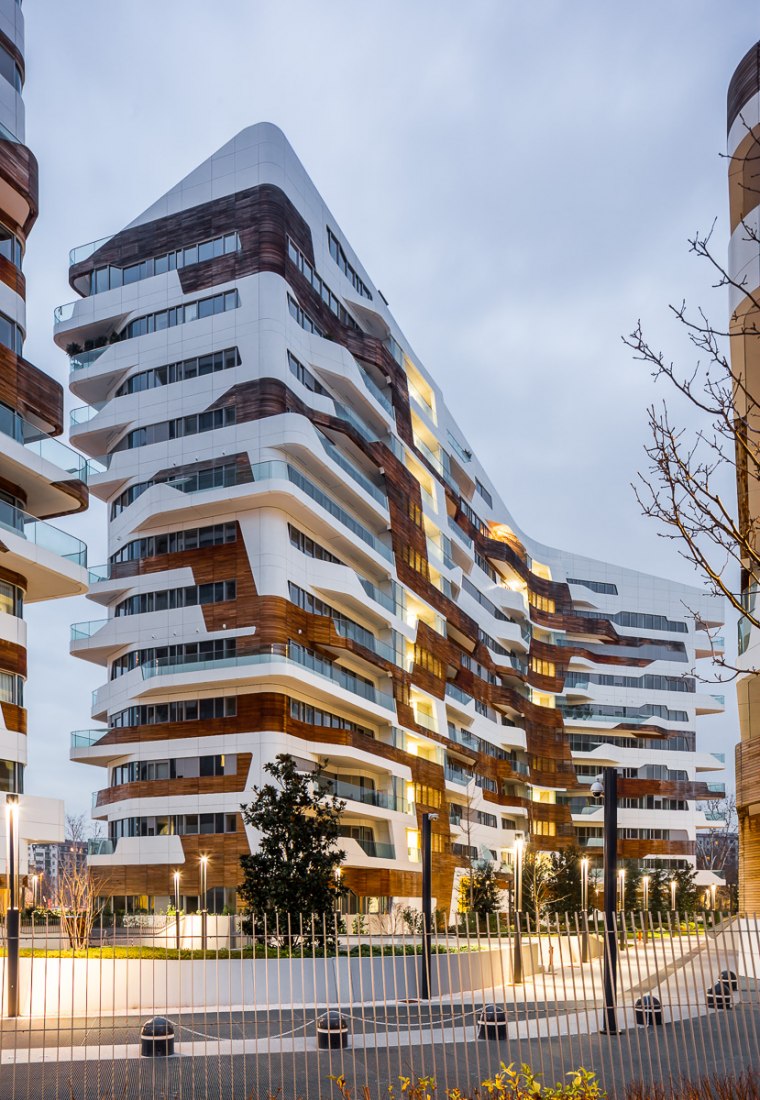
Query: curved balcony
pixel 53 561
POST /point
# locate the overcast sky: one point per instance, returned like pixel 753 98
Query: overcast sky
pixel 520 179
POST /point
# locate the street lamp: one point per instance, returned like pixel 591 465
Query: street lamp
pixel 517 967
pixel 713 888
pixel 35 880
pixel 426 839
pixel 621 889
pixel 673 895
pixel 204 910
pixel 177 875
pixel 12 916
pixel 645 889
pixel 584 908
pixel 606 787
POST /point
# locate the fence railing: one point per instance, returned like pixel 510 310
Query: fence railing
pixel 279 1007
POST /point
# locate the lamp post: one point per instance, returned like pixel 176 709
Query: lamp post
pixel 517 967
pixel 584 909
pixel 204 910
pixel 713 888
pixel 35 880
pixel 608 790
pixel 176 903
pixel 621 889
pixel 427 903
pixel 645 889
pixel 673 895
pixel 12 915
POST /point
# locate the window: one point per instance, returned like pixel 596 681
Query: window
pixel 425 795
pixel 195 424
pixel 487 819
pixel 303 319
pixel 197 367
pixel 11 599
pixel 11 689
pixel 602 587
pixel 11 777
pixel 426 660
pixel 11 335
pixel 313 716
pixel 333 303
pixel 10 246
pixel 180 315
pixel 217 649
pixel 310 548
pixel 107 278
pixel 508 823
pixel 9 69
pixel 543 668
pixel 469 587
pixel 337 253
pixel 305 376
pixel 209 476
pixel 315 606
pixel 185 710
pixel 541 603
pixel 480 488
pixel 168 599
pixel 415 560
pixel 175 542
pixel 543 828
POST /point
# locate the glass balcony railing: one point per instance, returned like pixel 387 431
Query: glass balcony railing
pixel 457 775
pixel 385 800
pixel 79 631
pixel 42 534
pixel 64 312
pixel 83 414
pixel 363 637
pixel 172 666
pixel 456 693
pixel 460 534
pixel 417 396
pixel 80 360
pixel 374 848
pixel 375 390
pixel 275 469
pixel 99 573
pixel 45 446
pixel 101 846
pixel 356 475
pixel 83 251
pixel 85 739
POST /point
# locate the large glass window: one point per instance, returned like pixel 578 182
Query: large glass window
pixel 11 599
pixel 9 69
pixel 108 278
pixel 11 689
pixel 11 777
pixel 179 315
pixel 10 247
pixel 11 335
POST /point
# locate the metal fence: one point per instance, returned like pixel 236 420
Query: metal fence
pixel 283 1008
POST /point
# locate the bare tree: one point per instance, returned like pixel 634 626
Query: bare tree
pixel 718 847
pixel 76 900
pixel 690 485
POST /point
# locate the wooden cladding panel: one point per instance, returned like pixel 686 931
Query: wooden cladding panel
pixel 169 788
pixel 37 397
pixel 14 717
pixel 19 172
pixel 223 849
pixel 12 277
pixel 13 658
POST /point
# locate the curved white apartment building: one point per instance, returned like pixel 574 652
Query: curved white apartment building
pixel 305 555
pixel 40 478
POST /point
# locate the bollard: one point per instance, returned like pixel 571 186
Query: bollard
pixel 648 1011
pixel 157 1038
pixel 720 995
pixel 493 1022
pixel 729 978
pixel 332 1031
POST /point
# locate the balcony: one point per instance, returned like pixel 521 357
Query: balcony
pixel 275 654
pixel 100 846
pixel 83 251
pixel 85 739
pixel 375 390
pixel 457 775
pixel 81 360
pixel 45 579
pixel 368 797
pixel 455 692
pixel 81 631
pixel 376 849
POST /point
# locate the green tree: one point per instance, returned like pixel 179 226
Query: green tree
pixel 633 892
pixel 478 891
pixel 688 895
pixel 293 875
pixel 565 881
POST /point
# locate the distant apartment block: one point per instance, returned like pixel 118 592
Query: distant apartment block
pixel 306 556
